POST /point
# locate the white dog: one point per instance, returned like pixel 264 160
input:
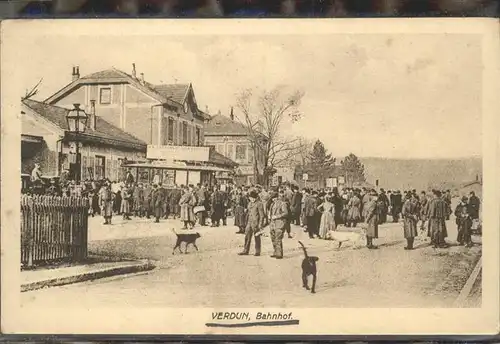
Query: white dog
pixel 357 239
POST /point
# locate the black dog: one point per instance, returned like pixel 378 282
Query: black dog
pixel 188 238
pixel 308 268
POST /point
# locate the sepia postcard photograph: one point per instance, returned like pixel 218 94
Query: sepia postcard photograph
pixel 307 177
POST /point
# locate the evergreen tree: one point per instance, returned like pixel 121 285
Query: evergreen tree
pixel 321 163
pixel 353 169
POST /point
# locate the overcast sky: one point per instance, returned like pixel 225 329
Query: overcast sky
pixel 404 96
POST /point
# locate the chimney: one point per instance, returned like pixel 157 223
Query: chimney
pixel 477 177
pixel 93 119
pixel 142 79
pixel 206 110
pixel 133 71
pixel 232 114
pixel 76 73
pixel 219 113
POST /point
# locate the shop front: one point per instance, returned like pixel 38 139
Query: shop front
pixel 181 165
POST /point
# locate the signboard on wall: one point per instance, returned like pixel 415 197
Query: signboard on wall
pixel 194 177
pixel 178 153
pixel 331 182
pixel 341 180
pixel 180 177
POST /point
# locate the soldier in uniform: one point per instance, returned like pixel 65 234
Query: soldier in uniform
pixel 438 210
pixel 174 201
pixel 157 201
pixel 106 203
pixel 138 200
pixel 125 205
pixel 278 216
pixel 464 223
pixel 372 219
pixel 410 216
pixel 164 206
pixel 217 206
pixel 255 223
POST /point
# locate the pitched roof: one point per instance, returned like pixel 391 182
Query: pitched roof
pixel 176 92
pixel 464 185
pixel 222 125
pixel 105 74
pixel 219 159
pixel 104 129
pixel 167 93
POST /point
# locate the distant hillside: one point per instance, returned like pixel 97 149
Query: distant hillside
pixel 419 173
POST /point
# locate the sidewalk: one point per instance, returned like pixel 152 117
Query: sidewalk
pixel 37 279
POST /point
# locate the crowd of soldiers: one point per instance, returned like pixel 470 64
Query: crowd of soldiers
pixel 321 211
pixel 318 211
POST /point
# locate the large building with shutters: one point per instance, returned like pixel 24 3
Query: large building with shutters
pixel 165 114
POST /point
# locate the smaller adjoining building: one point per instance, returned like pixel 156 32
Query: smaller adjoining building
pixel 231 139
pixel 46 140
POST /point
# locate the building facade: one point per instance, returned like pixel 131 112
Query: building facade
pixel 156 114
pixel 45 140
pixel 230 138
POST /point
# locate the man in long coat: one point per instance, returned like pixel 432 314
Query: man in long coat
pixel 296 205
pixel 278 216
pixel 383 205
pixel 372 214
pixel 106 203
pixel 175 197
pixel 424 200
pixel 125 207
pixel 138 200
pixel 202 200
pixel 146 201
pixel 437 212
pixel 255 223
pixel 396 204
pixel 473 206
pixel 312 214
pixel 410 217
pixel 354 210
pixel 217 202
pixel 464 223
pixel 157 199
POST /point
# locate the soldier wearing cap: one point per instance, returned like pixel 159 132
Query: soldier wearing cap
pixel 464 223
pixel 278 216
pixel 255 223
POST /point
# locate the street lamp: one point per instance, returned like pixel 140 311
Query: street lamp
pixel 77 123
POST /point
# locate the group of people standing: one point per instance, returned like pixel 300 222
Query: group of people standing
pixel 322 211
pixel 192 205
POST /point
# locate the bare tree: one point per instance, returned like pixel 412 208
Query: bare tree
pixel 31 93
pixel 263 115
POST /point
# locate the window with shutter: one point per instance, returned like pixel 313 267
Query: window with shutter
pixel 91 167
pixel 250 154
pixel 107 168
pixel 170 129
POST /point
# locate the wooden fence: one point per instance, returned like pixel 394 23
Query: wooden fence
pixel 53 229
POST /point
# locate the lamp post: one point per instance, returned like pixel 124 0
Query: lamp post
pixel 77 123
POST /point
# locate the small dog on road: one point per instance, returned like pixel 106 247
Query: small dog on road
pixel 188 238
pixel 309 268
